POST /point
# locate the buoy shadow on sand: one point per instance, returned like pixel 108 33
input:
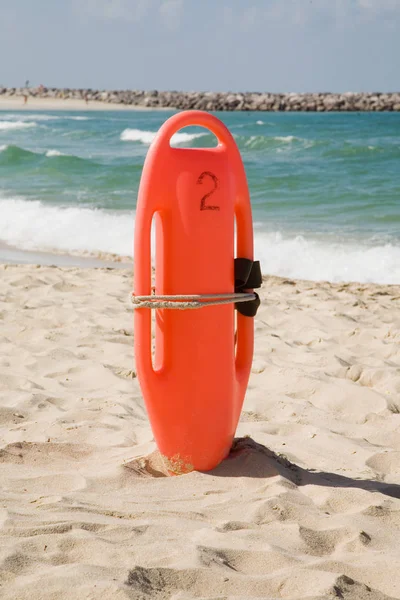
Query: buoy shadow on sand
pixel 248 458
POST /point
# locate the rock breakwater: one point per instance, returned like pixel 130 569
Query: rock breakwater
pixel 225 101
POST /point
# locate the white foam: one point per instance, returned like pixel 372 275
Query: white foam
pixel 285 138
pixel 300 258
pixel 8 125
pixel 146 137
pixel 252 140
pixel 27 117
pixel 137 135
pixel 285 142
pixel 180 137
pixel 50 153
pixel 39 117
pixel 4 147
pixel 260 122
pixel 31 225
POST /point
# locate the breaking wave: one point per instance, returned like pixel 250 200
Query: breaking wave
pixel 32 225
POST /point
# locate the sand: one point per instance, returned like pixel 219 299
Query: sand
pixel 306 506
pixel 17 103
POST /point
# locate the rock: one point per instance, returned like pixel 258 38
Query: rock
pixel 229 101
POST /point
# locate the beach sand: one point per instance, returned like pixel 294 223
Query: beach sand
pixel 306 506
pixel 17 103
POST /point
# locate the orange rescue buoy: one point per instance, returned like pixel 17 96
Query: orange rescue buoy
pixel 195 383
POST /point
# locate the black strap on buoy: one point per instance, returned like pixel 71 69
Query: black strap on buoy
pixel 247 277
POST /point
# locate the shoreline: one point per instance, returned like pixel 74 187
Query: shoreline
pixel 8 103
pixel 209 101
pixel 17 257
pixel 11 255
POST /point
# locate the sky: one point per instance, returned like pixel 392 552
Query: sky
pixel 202 45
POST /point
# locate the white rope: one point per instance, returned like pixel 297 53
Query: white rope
pixel 186 302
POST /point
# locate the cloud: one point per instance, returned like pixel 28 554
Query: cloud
pixel 246 17
pixel 302 13
pixel 8 20
pixel 114 10
pixel 134 11
pixel 171 12
pixel 378 6
pixel 279 12
pixel 375 9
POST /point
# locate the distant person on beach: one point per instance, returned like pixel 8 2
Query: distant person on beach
pixel 25 95
pixel 85 97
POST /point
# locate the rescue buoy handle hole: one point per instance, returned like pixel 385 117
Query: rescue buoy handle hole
pixel 197 137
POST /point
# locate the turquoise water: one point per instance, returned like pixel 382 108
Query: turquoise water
pixel 325 188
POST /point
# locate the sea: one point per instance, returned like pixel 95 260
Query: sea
pixel 324 187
